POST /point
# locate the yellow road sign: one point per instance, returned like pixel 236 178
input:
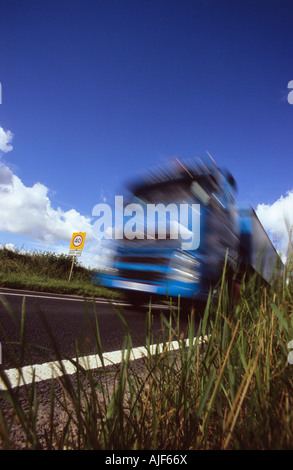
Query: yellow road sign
pixel 77 241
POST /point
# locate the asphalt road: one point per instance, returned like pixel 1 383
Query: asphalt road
pixel 72 323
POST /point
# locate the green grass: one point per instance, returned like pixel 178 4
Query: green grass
pixel 232 391
pixel 48 272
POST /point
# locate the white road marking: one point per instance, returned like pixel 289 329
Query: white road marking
pixel 39 372
pixel 45 296
pixel 77 299
pixel 73 299
pixel 48 370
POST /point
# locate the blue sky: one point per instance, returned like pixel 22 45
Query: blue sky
pixel 94 91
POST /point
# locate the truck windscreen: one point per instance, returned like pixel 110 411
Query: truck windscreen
pixel 179 191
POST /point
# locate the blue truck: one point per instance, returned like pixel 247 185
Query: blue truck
pixel 162 266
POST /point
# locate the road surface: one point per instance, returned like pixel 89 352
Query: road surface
pixel 72 323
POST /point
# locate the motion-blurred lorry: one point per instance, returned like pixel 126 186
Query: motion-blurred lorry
pixel 157 261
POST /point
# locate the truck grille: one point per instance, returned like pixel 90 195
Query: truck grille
pixel 133 274
pixel 142 266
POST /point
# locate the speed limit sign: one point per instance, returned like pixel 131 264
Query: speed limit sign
pixel 77 241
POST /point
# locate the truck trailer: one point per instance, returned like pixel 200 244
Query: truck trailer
pixel 160 264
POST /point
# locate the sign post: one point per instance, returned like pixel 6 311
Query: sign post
pixel 76 246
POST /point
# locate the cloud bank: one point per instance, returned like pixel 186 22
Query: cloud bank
pixel 277 219
pixel 28 211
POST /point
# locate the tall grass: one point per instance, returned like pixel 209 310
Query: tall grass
pixel 229 385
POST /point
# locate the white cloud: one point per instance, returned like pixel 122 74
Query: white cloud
pixel 5 176
pixel 277 219
pixel 28 211
pixel 5 140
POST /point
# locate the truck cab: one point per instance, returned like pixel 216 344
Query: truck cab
pixel 162 266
